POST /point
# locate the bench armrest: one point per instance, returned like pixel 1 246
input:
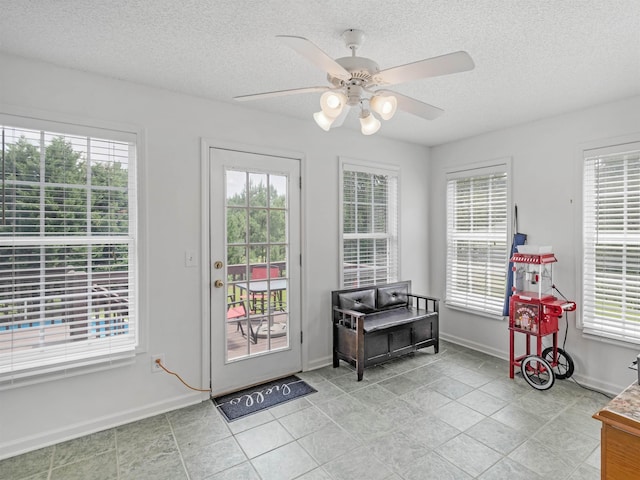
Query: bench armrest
pixel 348 318
pixel 431 304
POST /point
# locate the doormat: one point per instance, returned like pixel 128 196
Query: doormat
pixel 251 400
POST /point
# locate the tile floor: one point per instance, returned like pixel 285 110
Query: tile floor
pixel 454 415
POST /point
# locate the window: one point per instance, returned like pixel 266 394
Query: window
pixel 477 252
pixel 369 218
pixel 67 249
pixel 611 242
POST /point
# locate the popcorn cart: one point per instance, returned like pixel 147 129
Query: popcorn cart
pixel 534 312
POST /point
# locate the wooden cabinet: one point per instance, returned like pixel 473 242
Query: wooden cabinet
pixel 620 436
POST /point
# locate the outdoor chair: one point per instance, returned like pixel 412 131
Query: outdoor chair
pixel 237 312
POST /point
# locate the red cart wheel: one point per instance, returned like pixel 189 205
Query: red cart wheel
pixel 537 372
pixel 563 367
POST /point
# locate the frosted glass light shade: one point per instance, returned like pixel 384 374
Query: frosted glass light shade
pixel 332 103
pixel 385 106
pixel 369 124
pixel 323 121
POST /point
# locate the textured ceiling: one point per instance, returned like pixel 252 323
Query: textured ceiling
pixel 533 58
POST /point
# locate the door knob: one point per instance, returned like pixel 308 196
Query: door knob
pixel 218 284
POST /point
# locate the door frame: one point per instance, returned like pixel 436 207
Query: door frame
pixel 205 252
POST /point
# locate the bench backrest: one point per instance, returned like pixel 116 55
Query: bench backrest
pixel 372 298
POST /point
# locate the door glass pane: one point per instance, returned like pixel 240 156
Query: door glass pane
pixel 236 225
pixel 257 317
pixel 277 226
pixel 278 191
pixel 258 225
pixel 236 184
pixel 258 189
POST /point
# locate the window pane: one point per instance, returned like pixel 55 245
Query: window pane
pixel 65 159
pixel 369 228
pixel 65 211
pixel 22 210
pixel 611 243
pixel 380 219
pixel 57 292
pixel 477 249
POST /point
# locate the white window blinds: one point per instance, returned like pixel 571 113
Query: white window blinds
pixel 67 251
pixel 611 242
pixel 369 226
pixel 477 251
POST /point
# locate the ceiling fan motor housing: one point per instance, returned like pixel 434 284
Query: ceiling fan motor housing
pixel 361 69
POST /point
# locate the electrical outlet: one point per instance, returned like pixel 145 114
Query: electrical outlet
pixel 155 368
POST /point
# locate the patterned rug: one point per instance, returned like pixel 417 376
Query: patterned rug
pixel 254 399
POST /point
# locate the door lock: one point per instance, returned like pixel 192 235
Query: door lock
pixel 218 284
pixel 218 265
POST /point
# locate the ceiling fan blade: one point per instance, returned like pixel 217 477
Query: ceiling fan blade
pixel 415 107
pixel 280 93
pixel 316 56
pixel 431 67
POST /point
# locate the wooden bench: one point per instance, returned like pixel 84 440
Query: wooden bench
pixel 372 325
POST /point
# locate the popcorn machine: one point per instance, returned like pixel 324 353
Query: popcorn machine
pixel 534 312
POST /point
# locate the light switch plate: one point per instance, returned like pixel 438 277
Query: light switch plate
pixel 190 258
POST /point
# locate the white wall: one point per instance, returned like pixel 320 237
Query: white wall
pixel 174 124
pixel 547 189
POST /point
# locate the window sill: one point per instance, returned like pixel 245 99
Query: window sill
pixel 125 359
pixel 628 344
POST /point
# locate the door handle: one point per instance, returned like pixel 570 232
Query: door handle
pixel 218 284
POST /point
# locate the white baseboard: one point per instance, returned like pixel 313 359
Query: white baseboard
pixel 319 363
pixel 503 355
pixel 589 382
pixel 69 432
pixel 592 383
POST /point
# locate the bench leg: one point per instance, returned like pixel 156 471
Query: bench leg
pixel 360 351
pixel 436 347
pixel 336 361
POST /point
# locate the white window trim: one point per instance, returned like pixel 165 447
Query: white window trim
pixel 33 118
pixel 501 164
pixel 602 146
pixel 367 167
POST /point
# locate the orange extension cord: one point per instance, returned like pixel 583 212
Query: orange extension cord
pixel 159 362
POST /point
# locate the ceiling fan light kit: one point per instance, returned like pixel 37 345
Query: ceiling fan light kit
pixel 323 121
pixel 369 124
pixel 332 103
pixel 354 78
pixel 385 106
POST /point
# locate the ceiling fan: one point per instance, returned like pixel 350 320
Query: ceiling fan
pixel 358 82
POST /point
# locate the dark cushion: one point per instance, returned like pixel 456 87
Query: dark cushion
pixel 392 295
pixel 363 301
pixel 395 317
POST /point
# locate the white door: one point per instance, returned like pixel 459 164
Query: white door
pixel 255 268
